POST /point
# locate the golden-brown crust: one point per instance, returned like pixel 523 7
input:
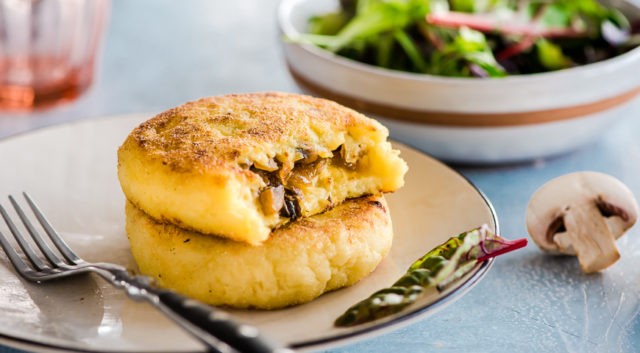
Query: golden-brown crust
pixel 219 131
pixel 298 262
pixel 213 165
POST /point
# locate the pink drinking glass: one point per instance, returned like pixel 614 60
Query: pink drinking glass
pixel 48 50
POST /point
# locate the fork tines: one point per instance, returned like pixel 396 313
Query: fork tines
pixel 38 266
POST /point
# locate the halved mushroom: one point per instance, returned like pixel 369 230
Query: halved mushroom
pixel 582 214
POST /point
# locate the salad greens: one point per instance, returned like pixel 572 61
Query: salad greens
pixel 474 38
pixel 434 271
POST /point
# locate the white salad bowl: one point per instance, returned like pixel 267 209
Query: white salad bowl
pixel 470 120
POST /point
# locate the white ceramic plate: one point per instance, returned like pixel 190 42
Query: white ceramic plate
pixel 70 170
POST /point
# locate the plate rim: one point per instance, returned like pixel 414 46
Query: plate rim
pixel 330 341
pixel 417 313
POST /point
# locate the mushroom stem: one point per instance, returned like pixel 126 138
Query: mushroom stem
pixel 588 234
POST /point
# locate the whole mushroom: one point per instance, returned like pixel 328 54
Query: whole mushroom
pixel 582 214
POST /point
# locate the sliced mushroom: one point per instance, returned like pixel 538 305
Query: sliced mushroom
pixel 270 165
pixel 291 207
pixel 340 159
pixel 272 199
pixel 582 214
pixel 307 155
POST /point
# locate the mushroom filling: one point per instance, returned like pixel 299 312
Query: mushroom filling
pixel 282 193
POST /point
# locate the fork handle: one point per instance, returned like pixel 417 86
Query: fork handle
pixel 208 324
pixel 196 316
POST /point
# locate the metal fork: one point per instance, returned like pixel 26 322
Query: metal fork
pixel 212 327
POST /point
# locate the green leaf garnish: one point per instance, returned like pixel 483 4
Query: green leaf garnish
pixel 435 270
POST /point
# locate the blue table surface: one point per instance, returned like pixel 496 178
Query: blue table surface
pixel 161 53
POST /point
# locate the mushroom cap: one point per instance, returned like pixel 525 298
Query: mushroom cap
pixel 552 201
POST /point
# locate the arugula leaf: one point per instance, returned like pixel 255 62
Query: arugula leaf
pixel 328 24
pixel 462 5
pixel 587 13
pixel 468 47
pixel 375 18
pixel 551 56
pixel 411 50
pixel 557 15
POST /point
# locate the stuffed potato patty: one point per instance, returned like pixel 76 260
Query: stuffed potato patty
pixel 239 166
pixel 299 262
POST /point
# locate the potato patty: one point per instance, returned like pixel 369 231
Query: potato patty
pixel 298 263
pixel 238 166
